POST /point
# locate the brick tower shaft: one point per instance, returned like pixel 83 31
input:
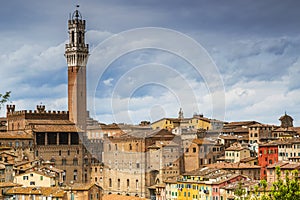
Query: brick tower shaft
pixel 76 53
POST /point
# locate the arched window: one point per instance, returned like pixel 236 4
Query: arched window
pixel 136 183
pixel 119 183
pixel 72 37
pixel 52 160
pixel 79 37
pixel 64 161
pixel 130 147
pixel 75 174
pixel 86 160
pixel 110 182
pixel 75 161
pixel 128 183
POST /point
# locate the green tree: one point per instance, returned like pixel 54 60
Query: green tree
pixel 264 185
pixel 283 189
pixel 287 189
pixel 240 191
pixel 4 98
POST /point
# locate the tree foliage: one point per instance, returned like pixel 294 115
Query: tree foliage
pixel 286 188
pixel 4 98
pixel 240 191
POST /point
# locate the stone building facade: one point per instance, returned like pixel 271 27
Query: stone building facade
pixel 200 152
pixel 135 161
pixel 55 139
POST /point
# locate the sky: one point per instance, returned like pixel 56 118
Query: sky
pixel 231 60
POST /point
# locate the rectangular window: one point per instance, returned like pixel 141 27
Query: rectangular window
pixel 194 150
pixel 25 177
pixel 41 178
pixel 32 183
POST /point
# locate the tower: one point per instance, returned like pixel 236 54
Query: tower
pixel 76 54
pixel 286 121
pixel 180 114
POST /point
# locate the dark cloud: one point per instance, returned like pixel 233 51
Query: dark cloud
pixel 251 41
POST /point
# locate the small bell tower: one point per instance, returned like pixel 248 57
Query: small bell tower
pixel 76 53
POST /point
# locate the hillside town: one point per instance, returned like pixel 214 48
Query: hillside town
pixel 59 155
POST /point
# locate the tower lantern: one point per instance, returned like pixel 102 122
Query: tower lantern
pixel 76 53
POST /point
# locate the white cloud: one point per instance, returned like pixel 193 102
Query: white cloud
pixel 108 82
pixel 260 74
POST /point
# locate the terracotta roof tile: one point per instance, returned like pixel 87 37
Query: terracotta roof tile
pixel 224 165
pixel 56 128
pixel 8 184
pixel 45 191
pixel 203 141
pixel 81 186
pixel 16 135
pixel 120 197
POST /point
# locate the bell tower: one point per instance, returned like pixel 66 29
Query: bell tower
pixel 76 53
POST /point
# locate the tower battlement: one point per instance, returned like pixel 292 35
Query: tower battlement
pixel 10 108
pixel 76 22
pixel 40 113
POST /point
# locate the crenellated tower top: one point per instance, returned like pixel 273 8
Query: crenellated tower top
pixel 76 50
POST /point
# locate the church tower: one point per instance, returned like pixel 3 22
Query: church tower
pixel 76 54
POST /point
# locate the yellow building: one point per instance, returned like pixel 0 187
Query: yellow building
pixel 34 179
pixel 199 122
pixel 195 122
pixel 193 187
pixel 166 123
pixel 236 152
pixel 201 184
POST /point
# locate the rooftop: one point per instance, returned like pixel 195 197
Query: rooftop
pixel 45 191
pixel 21 135
pixel 224 165
pixel 237 147
pixel 120 197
